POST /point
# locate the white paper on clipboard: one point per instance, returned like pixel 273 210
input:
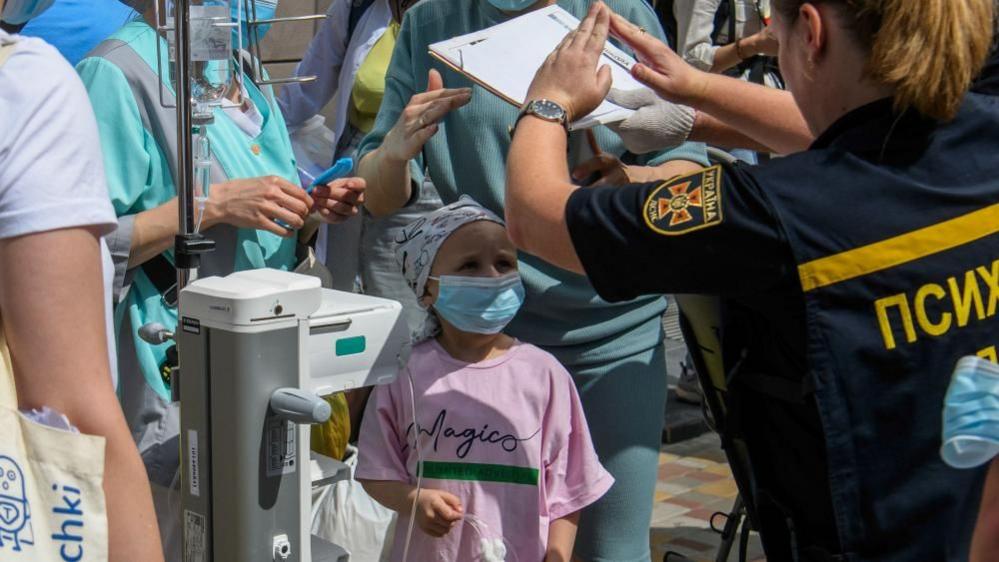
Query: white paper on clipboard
pixel 504 59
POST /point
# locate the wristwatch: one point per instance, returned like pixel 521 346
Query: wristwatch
pixel 544 109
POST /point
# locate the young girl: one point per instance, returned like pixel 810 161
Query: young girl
pixel 507 460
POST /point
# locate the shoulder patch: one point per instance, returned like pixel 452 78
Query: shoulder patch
pixel 686 203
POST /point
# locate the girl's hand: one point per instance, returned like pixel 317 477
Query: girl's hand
pixel 418 121
pixel 569 76
pixel 659 67
pixel 437 512
pixel 339 200
pixel 257 203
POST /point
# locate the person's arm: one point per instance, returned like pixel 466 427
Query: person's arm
pixel 708 129
pixel 562 538
pixel 52 303
pixel 760 43
pixel 381 463
pixel 657 162
pixel 537 191
pixel 695 25
pixel 394 495
pixel 437 511
pixel 128 164
pixel 727 56
pixel 324 60
pixel 767 115
pixel 249 203
pixel 669 169
pixel 719 219
pixel 536 217
pixel 386 168
pixel 613 171
pixel 573 477
pixel 54 208
pixel 985 543
pixel 408 117
pixel 695 22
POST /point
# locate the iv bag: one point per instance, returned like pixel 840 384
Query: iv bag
pixel 210 49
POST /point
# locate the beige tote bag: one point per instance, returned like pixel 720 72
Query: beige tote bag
pixel 51 499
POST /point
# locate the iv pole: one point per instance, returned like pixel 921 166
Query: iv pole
pixel 188 244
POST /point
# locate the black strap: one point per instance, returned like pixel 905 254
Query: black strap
pixel 163 275
pixel 357 9
pixel 731 21
pixel 721 16
pixel 12 28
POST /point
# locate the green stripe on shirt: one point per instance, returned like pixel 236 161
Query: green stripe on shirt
pixel 480 472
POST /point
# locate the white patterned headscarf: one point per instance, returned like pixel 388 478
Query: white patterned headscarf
pixel 419 242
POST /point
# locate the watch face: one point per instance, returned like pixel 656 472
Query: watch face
pixel 547 110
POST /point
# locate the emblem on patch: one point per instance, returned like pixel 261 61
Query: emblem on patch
pixel 685 204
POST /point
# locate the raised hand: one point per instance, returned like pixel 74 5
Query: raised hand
pixel 418 121
pixel 569 76
pixel 658 66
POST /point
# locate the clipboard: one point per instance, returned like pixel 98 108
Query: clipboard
pixel 522 44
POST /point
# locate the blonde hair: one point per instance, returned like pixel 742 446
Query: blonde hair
pixel 930 51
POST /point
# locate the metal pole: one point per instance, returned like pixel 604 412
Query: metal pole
pixel 185 161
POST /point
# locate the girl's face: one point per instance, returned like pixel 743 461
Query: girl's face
pixel 478 249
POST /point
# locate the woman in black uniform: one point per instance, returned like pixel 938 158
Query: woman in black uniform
pixel 852 275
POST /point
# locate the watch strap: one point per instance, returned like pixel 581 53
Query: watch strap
pixel 529 110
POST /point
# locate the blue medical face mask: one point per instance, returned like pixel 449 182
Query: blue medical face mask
pixel 480 305
pixel 512 5
pixel 266 9
pixel 16 12
pixel 971 414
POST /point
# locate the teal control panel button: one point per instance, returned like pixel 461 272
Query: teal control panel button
pixel 351 346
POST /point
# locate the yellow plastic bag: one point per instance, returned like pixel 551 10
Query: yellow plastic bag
pixel 330 438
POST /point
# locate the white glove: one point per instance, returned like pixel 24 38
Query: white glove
pixel 656 124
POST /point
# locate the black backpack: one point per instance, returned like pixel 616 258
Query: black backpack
pixel 357 9
pixel 664 9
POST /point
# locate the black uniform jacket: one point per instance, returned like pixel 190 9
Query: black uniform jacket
pixel 852 277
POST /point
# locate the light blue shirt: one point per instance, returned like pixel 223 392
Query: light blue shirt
pixel 74 27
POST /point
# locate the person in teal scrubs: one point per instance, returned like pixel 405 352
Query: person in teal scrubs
pixel 254 184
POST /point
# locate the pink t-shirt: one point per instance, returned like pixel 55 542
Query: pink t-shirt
pixel 507 436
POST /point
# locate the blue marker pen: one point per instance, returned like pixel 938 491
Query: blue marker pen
pixel 341 168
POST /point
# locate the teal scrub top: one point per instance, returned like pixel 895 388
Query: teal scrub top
pixel 139 177
pixel 468 154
